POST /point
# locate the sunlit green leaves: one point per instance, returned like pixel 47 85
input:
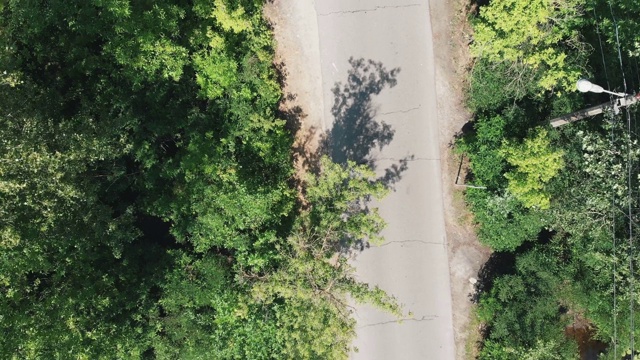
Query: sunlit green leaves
pixel 339 198
pixel 525 34
pixel 535 163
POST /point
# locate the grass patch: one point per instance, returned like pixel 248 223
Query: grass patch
pixel 474 338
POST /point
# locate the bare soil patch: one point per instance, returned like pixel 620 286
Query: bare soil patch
pixel 451 36
pixel 298 61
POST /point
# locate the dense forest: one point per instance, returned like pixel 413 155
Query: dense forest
pixel 149 207
pixel 558 206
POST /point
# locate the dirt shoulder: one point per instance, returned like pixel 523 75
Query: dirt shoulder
pixel 450 35
pixel 295 30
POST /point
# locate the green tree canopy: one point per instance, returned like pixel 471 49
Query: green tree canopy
pixel 148 208
pixel 535 164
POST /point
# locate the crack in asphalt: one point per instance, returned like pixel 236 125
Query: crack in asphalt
pixel 424 159
pixel 408 241
pixel 423 318
pixel 408 159
pixel 401 111
pixel 367 10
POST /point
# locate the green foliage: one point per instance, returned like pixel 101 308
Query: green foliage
pixel 535 164
pixel 523 313
pixel 339 198
pixel 571 181
pixel 588 194
pixel 504 223
pixel 146 202
pixel 623 28
pixel 541 351
pixel 592 221
pixel 233 21
pixel 482 148
pixel 524 35
pixel 494 84
pixel 298 309
pixel 65 255
pixel 314 279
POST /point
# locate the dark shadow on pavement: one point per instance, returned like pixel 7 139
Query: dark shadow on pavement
pixel 356 132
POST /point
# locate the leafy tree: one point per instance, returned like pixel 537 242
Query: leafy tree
pixel 339 198
pixel 542 351
pixel 316 280
pixel 493 85
pixel 296 310
pixel 523 311
pixel 591 214
pixel 524 35
pixel 572 181
pixel 504 224
pixel 66 255
pixel 535 164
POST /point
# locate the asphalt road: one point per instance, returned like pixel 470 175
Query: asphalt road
pixel 384 112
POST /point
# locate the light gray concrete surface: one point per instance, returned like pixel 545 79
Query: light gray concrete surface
pixel 412 263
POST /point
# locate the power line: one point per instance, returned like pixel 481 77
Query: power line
pixel 615 262
pixel 635 63
pixel 629 201
pixel 637 70
pixel 604 63
pixel 613 205
pixel 615 23
pixel 629 194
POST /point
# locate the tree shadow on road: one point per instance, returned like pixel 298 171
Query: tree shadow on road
pixel 356 132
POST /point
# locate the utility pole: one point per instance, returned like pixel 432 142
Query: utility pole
pixel 614 105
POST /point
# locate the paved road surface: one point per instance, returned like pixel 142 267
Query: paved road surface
pixel 396 110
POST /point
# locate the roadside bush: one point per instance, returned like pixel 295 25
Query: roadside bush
pixel 496 85
pixel 523 312
pixel 482 148
pixel 504 224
